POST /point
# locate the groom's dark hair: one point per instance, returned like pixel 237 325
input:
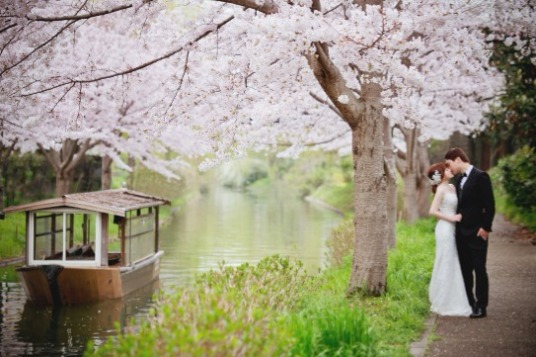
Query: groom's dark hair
pixel 453 153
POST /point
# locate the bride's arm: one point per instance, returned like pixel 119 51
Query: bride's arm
pixel 436 203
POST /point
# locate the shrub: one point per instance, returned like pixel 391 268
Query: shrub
pixel 518 177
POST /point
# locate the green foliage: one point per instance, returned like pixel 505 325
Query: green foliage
pixel 518 177
pixel 29 177
pixel 311 172
pixel 506 205
pixel 336 195
pixel 8 274
pixel 26 178
pixel 242 173
pixel 144 180
pixel 512 121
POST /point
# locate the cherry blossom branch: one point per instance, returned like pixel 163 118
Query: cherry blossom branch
pixel 311 144
pixel 7 28
pixel 137 68
pixel 6 44
pixel 4 120
pixel 73 19
pixel 325 102
pixel 268 7
pixel 78 17
pixel 185 68
pixel 337 136
pixel 24 58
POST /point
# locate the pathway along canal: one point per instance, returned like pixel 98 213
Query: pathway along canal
pixel 219 226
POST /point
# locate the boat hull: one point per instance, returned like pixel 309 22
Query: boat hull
pixel 67 285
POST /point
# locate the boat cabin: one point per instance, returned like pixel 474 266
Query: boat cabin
pixel 107 229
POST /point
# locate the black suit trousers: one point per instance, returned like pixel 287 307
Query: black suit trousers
pixel 472 252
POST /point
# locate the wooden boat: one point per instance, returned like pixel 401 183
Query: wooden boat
pixel 72 257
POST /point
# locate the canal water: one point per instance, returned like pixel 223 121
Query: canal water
pixel 219 226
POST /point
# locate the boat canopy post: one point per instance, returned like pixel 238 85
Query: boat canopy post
pixel 156 225
pixel 104 239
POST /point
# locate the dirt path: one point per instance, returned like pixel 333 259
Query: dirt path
pixel 510 327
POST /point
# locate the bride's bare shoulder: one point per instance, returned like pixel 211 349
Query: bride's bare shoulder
pixel 451 187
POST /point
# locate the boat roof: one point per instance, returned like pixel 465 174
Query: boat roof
pixel 116 201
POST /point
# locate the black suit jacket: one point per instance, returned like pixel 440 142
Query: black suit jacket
pixel 476 203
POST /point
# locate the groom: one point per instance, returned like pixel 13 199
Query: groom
pixel 477 206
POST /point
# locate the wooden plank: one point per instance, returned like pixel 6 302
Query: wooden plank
pixel 35 284
pixel 138 278
pixel 85 285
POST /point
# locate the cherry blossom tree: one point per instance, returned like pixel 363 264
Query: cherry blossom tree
pixel 251 74
pixel 82 114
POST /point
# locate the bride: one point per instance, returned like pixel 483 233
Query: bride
pixel 447 291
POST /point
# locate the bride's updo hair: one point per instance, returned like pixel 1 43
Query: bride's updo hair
pixel 436 172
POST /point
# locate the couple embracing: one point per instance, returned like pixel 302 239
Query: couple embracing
pixel 464 206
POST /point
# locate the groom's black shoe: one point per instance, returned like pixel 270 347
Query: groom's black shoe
pixel 478 313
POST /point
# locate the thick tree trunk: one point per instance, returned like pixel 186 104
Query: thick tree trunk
pixel 65 161
pixel 106 176
pixel 370 198
pixel 412 166
pixel 131 175
pixel 371 170
pixel 410 212
pixel 391 186
pixel 64 182
pixel 423 185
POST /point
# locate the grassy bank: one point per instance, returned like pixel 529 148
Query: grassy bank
pixel 275 309
pixel 12 231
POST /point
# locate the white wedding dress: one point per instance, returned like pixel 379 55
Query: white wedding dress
pixel 447 290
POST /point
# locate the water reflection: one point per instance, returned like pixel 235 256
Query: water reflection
pixel 220 225
pixel 28 329
pixel 224 225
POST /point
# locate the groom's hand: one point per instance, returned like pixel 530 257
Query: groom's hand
pixel 483 234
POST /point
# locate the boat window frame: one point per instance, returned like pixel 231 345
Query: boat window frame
pixel 64 262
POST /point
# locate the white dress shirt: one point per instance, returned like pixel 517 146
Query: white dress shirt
pixel 465 175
